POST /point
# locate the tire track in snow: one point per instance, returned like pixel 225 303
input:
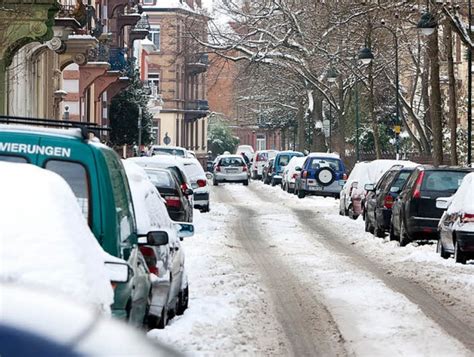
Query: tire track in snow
pixel 308 325
pixel 431 307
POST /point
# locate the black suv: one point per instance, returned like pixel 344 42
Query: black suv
pixel 414 212
pixel 379 199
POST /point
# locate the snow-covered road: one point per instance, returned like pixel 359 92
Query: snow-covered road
pixel 274 275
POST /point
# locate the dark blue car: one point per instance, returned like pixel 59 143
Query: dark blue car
pixel 321 175
pixel 281 160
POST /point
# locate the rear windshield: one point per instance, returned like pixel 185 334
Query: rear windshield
pixel 283 160
pixel 169 151
pixel 231 161
pixel 442 180
pixel 263 156
pixel 160 178
pixel 194 170
pixel 318 162
pixel 10 158
pixel 76 176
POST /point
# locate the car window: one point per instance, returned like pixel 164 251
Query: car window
pixel 401 179
pixel 442 180
pixel 318 162
pixel 160 178
pixel 283 160
pixel 263 156
pixel 194 170
pixel 12 158
pixel 177 174
pixel 76 176
pixel 231 161
pixel 385 181
pixel 169 151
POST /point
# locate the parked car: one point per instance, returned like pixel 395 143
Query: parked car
pixel 281 160
pixel 177 204
pixel 168 150
pixel 247 150
pixel 320 175
pixel 231 168
pixel 267 171
pixel 380 197
pixel 176 167
pixel 260 159
pixel 165 259
pixel 291 173
pixel 198 179
pixel 61 327
pixel 353 192
pixel 456 226
pixel 414 212
pixel 96 176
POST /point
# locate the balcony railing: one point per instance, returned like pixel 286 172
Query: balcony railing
pixel 197 105
pixel 198 63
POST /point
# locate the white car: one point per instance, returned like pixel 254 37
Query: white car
pixel 199 184
pixel 259 160
pixel 46 242
pixel 170 292
pixel 247 150
pixel 290 173
pixel 231 168
pixel 168 150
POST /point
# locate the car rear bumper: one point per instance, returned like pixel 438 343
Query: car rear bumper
pixel 231 177
pixel 201 199
pixel 313 188
pixel 423 228
pixel 465 241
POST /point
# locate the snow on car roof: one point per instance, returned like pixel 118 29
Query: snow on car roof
pixel 45 240
pixel 324 154
pixel 463 199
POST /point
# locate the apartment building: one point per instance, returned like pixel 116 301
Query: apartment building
pixel 175 67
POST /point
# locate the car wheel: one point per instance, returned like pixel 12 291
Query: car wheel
pixel 459 256
pixel 392 235
pixel 403 239
pixel 301 194
pixel 163 318
pixel 273 183
pixel 215 183
pixel 183 301
pixel 379 233
pixel 351 213
pixel 440 250
pixel 254 175
pixel 366 225
pixel 246 183
pixel 205 208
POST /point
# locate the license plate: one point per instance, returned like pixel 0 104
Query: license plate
pixel 232 170
pixel 315 188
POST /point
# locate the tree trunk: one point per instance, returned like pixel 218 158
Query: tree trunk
pixel 425 83
pixel 318 144
pixel 453 114
pixel 435 105
pixel 301 126
pixel 375 127
pixel 340 128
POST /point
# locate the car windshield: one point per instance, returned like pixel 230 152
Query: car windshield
pixel 168 151
pixel 442 180
pixel 160 178
pixel 231 161
pixel 319 162
pixel 283 160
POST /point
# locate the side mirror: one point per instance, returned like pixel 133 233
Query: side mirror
pixel 395 189
pixel 185 229
pixel 297 168
pixel 118 272
pixel 369 187
pixel 154 238
pixel 443 203
pixel 188 192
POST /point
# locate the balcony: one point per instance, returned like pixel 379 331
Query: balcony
pixel 197 63
pixel 141 30
pixel 195 109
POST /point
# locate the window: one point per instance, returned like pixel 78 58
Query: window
pixel 161 179
pixel 154 36
pixel 148 2
pixel 154 83
pixel 11 158
pixel 283 160
pixel 442 180
pixel 231 161
pixel 261 142
pixel 76 176
pixel 317 163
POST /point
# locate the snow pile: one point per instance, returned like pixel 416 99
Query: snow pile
pixel 463 199
pixel 45 240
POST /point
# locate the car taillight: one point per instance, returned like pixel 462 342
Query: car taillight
pixel 388 202
pixel 344 177
pixel 173 201
pixel 201 183
pixel 218 168
pixel 304 174
pixel 419 181
pixel 467 218
pixel 244 168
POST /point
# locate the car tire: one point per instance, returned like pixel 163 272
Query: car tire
pixel 163 318
pixel 403 239
pixel 215 183
pixel 183 301
pixel 301 194
pixel 351 213
pixel 273 183
pixel 459 257
pixel 254 175
pixel 392 235
pixel 205 208
pixel 366 223
pixel 379 233
pixel 440 250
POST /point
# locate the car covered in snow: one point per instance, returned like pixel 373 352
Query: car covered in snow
pixel 291 173
pixel 168 150
pixel 320 175
pixel 415 215
pixel 260 158
pixel 281 160
pixel 199 184
pixel 456 226
pixel 231 168
pixel 97 178
pixel 165 258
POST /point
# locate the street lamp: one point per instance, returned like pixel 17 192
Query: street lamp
pixel 427 24
pixel 331 76
pixel 365 55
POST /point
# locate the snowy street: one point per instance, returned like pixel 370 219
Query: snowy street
pixel 274 275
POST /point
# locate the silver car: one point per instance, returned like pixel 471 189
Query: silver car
pixel 231 168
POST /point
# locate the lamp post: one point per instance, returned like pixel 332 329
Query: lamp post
pixel 331 77
pixel 469 90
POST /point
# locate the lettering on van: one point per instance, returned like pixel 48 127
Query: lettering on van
pixel 17 148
